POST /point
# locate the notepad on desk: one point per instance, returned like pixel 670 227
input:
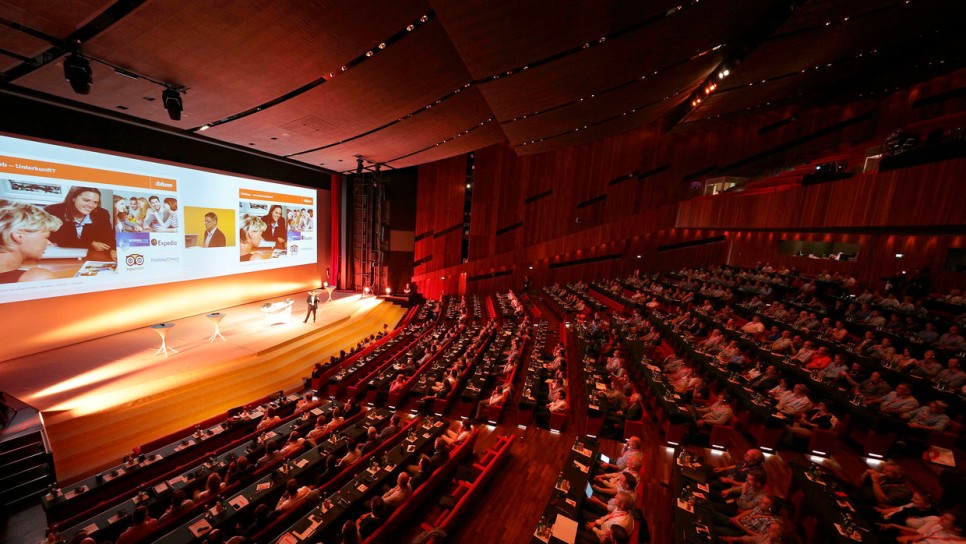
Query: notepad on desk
pixel 200 528
pixel 565 528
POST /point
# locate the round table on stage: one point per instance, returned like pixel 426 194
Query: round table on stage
pixel 279 312
pixel 162 330
pixel 329 289
pixel 216 318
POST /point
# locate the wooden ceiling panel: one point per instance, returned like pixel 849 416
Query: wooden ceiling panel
pixel 815 13
pixel 7 62
pixel 235 55
pixel 808 60
pixel 663 45
pixel 463 112
pixel 21 44
pixel 478 139
pixel 820 45
pixel 418 70
pixel 783 91
pixel 493 37
pixel 57 18
pixel 637 96
pixel 604 130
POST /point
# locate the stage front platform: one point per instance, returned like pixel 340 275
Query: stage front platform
pixel 101 398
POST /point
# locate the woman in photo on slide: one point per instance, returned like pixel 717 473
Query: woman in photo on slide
pixel 275 224
pixel 86 224
pixel 24 233
pixel 171 209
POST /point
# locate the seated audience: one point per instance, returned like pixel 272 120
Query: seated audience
pixel 885 487
pixel 142 525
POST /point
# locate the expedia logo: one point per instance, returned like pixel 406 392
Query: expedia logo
pixel 163 243
pixel 134 259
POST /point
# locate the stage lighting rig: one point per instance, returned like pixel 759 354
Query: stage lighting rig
pixel 77 70
pixel 173 103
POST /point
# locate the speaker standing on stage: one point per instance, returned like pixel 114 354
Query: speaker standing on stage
pixel 313 302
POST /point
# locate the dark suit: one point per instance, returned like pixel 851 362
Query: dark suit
pixel 100 229
pixel 438 458
pixel 633 412
pixel 313 302
pixel 217 238
pixel 763 382
pixel 274 233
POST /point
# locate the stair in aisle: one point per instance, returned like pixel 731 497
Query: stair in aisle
pixel 26 471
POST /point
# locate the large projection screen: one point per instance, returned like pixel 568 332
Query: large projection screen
pixel 93 243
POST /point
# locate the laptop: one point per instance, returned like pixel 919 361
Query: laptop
pixel 190 240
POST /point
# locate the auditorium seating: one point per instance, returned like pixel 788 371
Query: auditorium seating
pixel 463 492
pixel 388 531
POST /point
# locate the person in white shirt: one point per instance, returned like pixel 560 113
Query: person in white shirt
pixel 797 403
pixel 754 327
pixel 399 494
pixel 620 516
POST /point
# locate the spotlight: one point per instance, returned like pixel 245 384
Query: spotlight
pixel 172 103
pixel 359 167
pixel 388 291
pixel 365 291
pixel 77 70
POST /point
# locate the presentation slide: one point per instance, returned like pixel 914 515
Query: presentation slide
pixel 75 221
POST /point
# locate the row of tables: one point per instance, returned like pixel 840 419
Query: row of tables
pixel 111 520
pixel 560 520
pixel 226 511
pixel 486 371
pixel 337 381
pixel 335 508
pixel 135 469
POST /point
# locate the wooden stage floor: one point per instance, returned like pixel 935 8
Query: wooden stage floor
pixel 100 398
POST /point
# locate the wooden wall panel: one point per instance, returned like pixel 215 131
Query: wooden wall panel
pixel 636 216
pixel 906 197
pixel 439 206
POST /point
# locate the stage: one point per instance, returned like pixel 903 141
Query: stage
pixel 99 399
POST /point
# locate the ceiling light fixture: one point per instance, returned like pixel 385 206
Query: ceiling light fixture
pixel 126 73
pixel 171 98
pixel 77 70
